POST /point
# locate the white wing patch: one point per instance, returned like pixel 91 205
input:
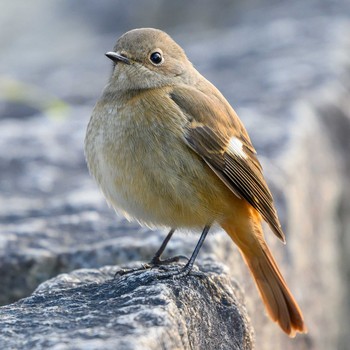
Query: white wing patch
pixel 236 147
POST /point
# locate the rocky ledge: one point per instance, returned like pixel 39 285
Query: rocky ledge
pixel 90 309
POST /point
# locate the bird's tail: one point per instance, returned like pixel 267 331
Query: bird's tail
pixel 279 301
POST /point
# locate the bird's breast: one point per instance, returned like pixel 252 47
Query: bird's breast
pixel 139 158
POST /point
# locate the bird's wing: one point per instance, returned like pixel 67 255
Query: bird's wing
pixel 216 134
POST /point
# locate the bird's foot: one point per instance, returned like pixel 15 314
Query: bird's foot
pixel 154 263
pixel 180 272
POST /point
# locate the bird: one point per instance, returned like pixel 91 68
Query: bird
pixel 168 150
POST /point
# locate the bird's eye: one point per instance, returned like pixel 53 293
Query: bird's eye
pixel 156 58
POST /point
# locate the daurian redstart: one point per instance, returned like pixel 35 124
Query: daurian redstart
pixel 167 149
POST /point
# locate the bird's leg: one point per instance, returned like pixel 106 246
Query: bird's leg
pixel 184 271
pixel 156 260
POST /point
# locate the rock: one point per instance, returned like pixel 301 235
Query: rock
pixel 88 309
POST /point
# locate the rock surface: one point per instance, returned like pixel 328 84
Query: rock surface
pixel 88 309
pixel 284 66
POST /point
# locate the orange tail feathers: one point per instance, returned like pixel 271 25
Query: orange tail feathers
pixel 279 301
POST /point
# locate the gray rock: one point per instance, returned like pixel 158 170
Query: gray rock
pixel 88 309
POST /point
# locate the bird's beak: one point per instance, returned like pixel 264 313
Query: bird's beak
pixel 117 58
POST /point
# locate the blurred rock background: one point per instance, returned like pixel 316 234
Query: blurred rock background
pixel 283 65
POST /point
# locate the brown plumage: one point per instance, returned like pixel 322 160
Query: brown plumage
pixel 279 301
pixel 208 134
pixel 166 148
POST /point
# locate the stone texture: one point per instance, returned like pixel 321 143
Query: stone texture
pixel 88 309
pixel 284 66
